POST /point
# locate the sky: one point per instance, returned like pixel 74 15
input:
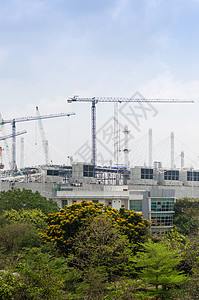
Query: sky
pixel 51 50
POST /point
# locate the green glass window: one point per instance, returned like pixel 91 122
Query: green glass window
pixel 162 219
pixel 135 205
pixel 162 204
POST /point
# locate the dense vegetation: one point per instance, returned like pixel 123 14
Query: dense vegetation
pixel 90 251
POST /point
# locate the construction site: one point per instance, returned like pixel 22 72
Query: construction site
pixel 150 189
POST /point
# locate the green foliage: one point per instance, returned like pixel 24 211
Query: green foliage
pixel 11 235
pixel 100 246
pixel 40 273
pixel 31 216
pixel 186 218
pixel 11 286
pixel 157 269
pixel 26 199
pixel 123 290
pixel 21 229
pixel 30 284
pixel 64 225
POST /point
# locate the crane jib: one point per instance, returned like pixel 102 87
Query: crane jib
pixel 32 118
pixel 123 99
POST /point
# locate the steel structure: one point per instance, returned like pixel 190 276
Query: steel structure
pixel 25 119
pixel 6 147
pixel 150 148
pixel 43 138
pixel 172 150
pixel 95 100
pixel 2 138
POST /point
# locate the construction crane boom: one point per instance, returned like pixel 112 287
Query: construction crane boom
pixel 95 100
pixel 33 118
pixel 43 137
pixel 125 99
pixel 2 138
pixel 24 119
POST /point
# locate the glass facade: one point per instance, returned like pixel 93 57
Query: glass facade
pixel 162 219
pixel 88 171
pixel 171 175
pixel 146 173
pixel 135 205
pixel 53 172
pixel 192 176
pixel 162 204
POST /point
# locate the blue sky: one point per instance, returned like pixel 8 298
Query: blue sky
pixel 53 49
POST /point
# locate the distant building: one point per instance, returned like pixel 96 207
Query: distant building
pixel 151 191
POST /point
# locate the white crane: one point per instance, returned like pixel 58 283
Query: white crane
pixel 95 100
pixel 25 119
pixel 5 137
pixel 6 147
pixel 43 138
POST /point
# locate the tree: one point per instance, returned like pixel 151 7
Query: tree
pixel 65 225
pixel 20 229
pixel 186 217
pixel 157 269
pixel 100 245
pixel 26 199
pixel 32 216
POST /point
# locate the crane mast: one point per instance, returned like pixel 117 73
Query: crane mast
pixel 5 137
pixel 8 153
pixel 24 119
pixel 95 100
pixel 43 138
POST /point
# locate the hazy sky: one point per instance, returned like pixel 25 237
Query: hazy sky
pixel 53 49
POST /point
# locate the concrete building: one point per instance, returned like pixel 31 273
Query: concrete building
pixel 151 191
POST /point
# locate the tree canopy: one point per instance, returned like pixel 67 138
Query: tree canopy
pixel 157 271
pixel 26 199
pixel 63 226
pixel 100 245
pixel 186 217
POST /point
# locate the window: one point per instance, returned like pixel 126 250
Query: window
pixel 135 205
pixel 53 172
pixel 64 203
pixel 146 173
pixel 171 175
pixel 192 176
pixel 88 171
pixel 162 204
pixel 162 220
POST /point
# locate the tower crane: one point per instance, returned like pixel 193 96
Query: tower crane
pixel 43 138
pixel 25 119
pixel 5 137
pixel 95 100
pixel 7 149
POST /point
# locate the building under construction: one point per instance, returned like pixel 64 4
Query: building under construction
pixel 151 191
